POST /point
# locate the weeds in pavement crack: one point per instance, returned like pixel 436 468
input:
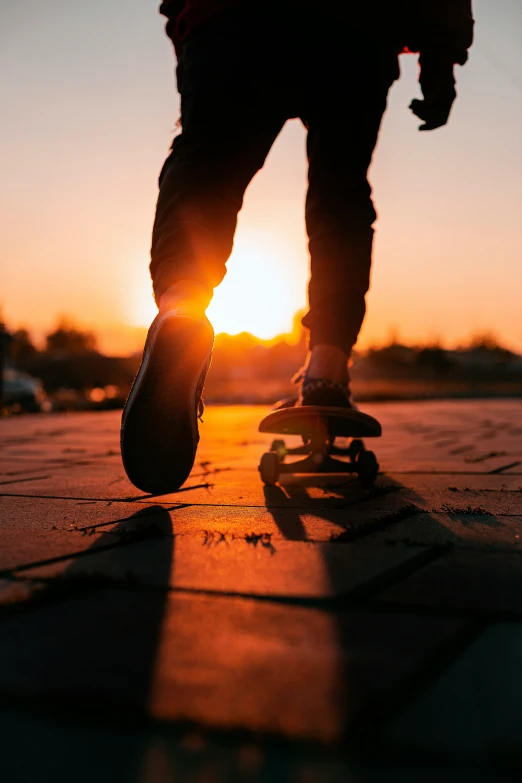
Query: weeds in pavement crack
pixel 264 539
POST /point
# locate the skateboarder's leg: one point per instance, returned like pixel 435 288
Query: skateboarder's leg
pixel 345 103
pixel 339 209
pixel 201 194
pixel 224 141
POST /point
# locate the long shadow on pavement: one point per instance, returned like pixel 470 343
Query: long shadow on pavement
pixel 96 639
pixel 386 657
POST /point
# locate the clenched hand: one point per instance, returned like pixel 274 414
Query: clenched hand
pixel 437 83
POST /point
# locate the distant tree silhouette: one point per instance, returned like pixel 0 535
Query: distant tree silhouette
pixel 68 340
pixel 435 358
pixel 22 349
pixel 487 343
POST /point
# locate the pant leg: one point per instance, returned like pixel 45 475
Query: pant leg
pixel 230 115
pixel 343 120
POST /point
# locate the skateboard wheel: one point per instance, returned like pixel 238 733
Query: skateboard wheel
pixel 355 448
pixel 269 468
pixel 367 467
pixel 279 446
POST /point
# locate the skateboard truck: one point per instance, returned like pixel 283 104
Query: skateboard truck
pixel 320 455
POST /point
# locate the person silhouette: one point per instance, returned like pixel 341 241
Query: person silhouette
pixel 243 70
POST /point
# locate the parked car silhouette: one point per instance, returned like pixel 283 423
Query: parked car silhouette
pixel 23 392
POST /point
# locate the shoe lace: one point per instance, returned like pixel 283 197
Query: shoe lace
pixel 299 376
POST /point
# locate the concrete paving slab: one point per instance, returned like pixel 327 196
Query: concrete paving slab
pixel 211 487
pixel 216 604
pixel 13 469
pixel 207 487
pixel 229 433
pixel 498 494
pixel 510 464
pixel 461 529
pixel 37 529
pixel 251 565
pixel 481 582
pixel 475 706
pixel 45 452
pixel 220 662
pixel 239 447
pixel 70 440
pixel 295 524
pixel 390 494
pixel 68 436
pixel 244 487
pixel 457 482
pixel 85 481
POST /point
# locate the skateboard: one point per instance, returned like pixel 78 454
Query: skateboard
pixel 318 427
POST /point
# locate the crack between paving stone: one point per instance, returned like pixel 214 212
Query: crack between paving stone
pixel 484 457
pixel 358 599
pixel 312 509
pixel 377 525
pixel 22 480
pixel 147 512
pixel 125 538
pixel 69 497
pixel 506 467
pixel 46 464
pixel 51 589
pixel 329 505
pixel 58 464
pixel 139 499
pixel 212 538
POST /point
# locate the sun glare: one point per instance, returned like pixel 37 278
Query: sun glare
pixel 262 290
pixel 260 293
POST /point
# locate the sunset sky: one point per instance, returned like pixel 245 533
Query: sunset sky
pixel 89 107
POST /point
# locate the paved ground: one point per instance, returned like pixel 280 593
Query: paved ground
pixel 313 631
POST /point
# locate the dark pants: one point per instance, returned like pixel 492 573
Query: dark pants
pixel 241 76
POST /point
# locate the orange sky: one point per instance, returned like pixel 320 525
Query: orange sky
pixel 91 107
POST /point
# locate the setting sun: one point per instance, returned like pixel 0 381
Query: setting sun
pixel 262 289
pixel 260 294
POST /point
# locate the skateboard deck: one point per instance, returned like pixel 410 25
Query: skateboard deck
pixel 314 420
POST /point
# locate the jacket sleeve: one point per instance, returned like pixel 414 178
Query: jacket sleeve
pixel 172 9
pixel 441 27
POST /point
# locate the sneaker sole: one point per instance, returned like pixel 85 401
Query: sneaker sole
pixel 159 432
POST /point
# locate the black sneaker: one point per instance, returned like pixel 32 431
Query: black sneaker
pixel 321 391
pixel 159 428
pixel 318 391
